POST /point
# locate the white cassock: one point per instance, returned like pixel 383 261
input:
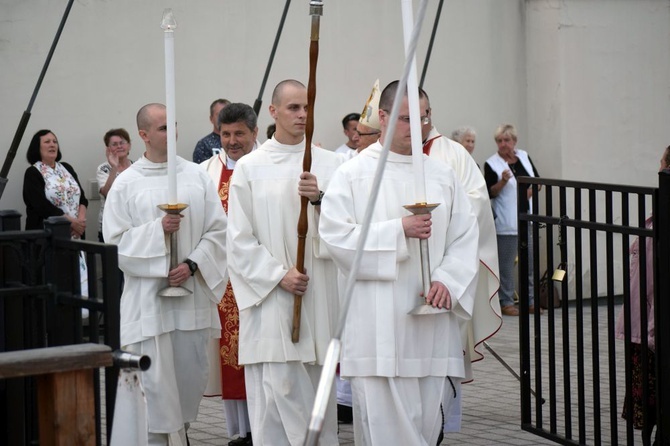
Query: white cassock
pixel 398 362
pixel 178 327
pixel 486 319
pixel 263 208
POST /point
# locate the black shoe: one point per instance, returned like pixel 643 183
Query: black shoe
pixel 242 441
pixel 344 414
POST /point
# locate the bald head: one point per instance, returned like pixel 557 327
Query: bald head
pixel 152 128
pixel 145 113
pixel 278 92
pixel 289 110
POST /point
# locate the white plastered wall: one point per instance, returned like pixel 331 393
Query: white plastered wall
pixel 598 109
pixel 586 82
pixel 109 62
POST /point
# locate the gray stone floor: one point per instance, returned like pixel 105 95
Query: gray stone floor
pixel 491 404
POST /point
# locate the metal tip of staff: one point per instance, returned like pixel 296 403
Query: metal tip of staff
pixel 316 7
pixel 168 23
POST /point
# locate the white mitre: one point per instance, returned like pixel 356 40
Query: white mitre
pixel 370 113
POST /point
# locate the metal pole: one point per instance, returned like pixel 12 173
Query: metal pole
pixel 23 123
pixel 259 100
pixel 430 44
pixel 662 306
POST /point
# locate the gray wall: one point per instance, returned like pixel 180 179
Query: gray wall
pixel 585 81
pixel 109 62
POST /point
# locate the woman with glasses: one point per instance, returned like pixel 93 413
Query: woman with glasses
pixel 117 143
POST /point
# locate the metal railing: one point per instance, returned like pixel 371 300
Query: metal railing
pixel 570 356
pixel 41 306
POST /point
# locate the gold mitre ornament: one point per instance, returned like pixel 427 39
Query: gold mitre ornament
pixel 370 113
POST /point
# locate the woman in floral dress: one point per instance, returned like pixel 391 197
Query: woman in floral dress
pixel 51 188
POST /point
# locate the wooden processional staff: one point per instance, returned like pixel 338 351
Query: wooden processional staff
pixel 316 11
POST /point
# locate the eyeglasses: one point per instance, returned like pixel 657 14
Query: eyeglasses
pixel 119 144
pixel 425 119
pixel 366 134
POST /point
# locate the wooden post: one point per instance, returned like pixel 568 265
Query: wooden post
pixel 66 406
pixel 66 395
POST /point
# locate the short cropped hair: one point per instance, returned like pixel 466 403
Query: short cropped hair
pixel 271 130
pixel 505 129
pixel 142 117
pixel 238 112
pixel 389 92
pixel 350 117
pixel 121 133
pixel 277 92
pixel 33 154
pixel 224 102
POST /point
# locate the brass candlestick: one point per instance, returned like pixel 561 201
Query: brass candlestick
pixel 424 308
pixel 174 291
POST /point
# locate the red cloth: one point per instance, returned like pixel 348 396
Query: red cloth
pixel 428 144
pixel 232 374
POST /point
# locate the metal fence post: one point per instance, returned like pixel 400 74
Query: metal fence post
pixel 12 396
pixel 61 321
pixel 662 306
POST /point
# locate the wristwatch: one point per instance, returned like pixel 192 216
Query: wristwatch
pixel 318 200
pixel 191 265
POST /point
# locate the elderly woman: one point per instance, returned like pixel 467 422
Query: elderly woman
pixel 500 172
pixel 466 136
pixel 117 143
pixel 51 188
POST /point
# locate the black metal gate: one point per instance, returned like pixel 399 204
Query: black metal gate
pixel 570 356
pixel 41 306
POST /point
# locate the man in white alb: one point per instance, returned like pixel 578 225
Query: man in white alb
pixel 397 362
pixel 174 331
pixel 264 204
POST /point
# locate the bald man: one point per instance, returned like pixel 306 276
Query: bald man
pixel 263 208
pixel 173 331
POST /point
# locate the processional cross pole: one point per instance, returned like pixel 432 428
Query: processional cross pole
pixel 316 11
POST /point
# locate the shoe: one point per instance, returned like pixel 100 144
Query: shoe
pixel 510 310
pixel 531 310
pixel 242 441
pixel 344 414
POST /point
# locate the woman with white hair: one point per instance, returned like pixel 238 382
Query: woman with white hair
pixel 466 136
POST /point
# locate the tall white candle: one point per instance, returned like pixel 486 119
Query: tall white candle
pixel 169 25
pixel 414 112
